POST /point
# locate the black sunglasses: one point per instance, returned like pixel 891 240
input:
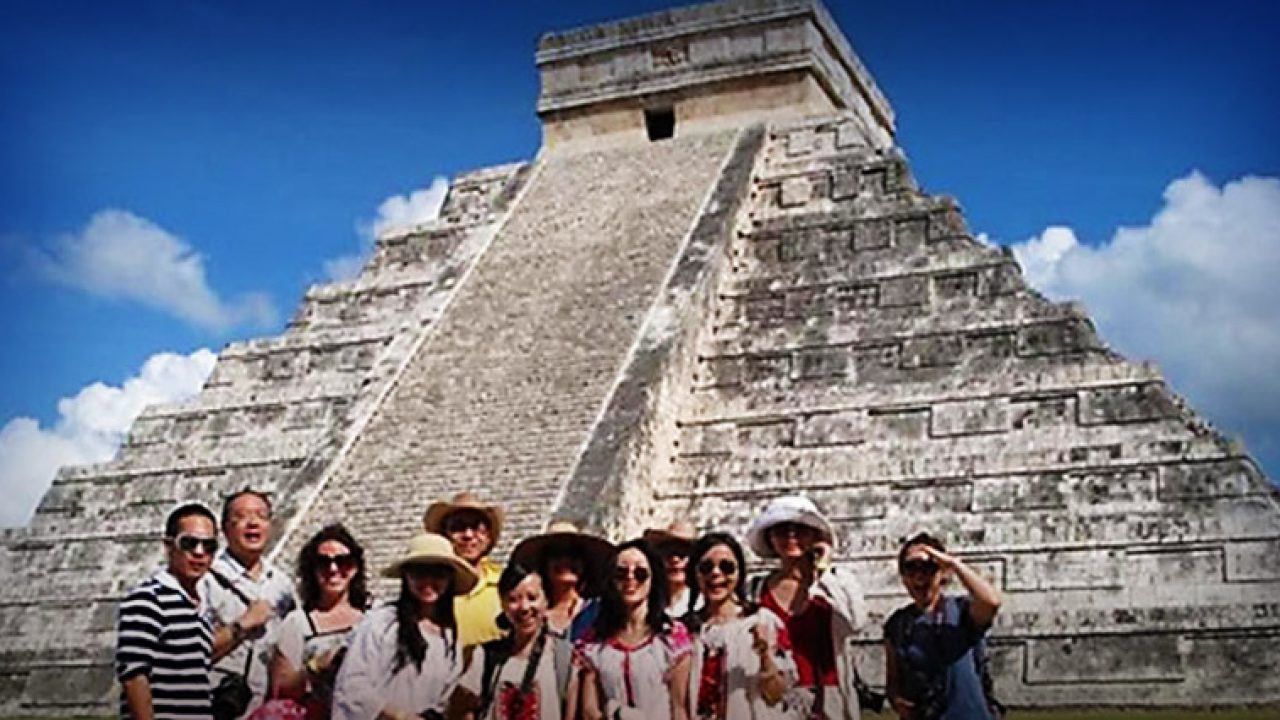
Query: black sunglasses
pixel 918 567
pixel 726 566
pixel 341 561
pixel 641 574
pixel 189 543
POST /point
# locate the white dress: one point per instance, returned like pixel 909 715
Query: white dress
pixel 739 689
pixel 638 679
pixel 545 691
pixel 369 682
pixel 299 641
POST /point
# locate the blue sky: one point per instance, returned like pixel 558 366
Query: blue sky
pixel 262 135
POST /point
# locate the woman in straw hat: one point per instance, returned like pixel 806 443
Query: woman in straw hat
pixel 673 543
pixel 404 658
pixel 636 658
pixel 571 564
pixel 821 607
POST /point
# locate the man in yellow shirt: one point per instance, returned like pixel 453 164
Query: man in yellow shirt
pixel 473 529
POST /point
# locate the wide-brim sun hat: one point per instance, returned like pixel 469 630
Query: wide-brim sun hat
pixel 788 508
pixel 679 532
pixel 594 551
pixel 433 519
pixel 432 549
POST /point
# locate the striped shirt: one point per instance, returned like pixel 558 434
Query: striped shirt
pixel 165 635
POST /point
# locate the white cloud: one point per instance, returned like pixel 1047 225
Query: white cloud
pixel 1196 290
pixel 121 255
pixel 395 213
pixel 89 429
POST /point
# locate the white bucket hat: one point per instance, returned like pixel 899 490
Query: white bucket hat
pixel 788 508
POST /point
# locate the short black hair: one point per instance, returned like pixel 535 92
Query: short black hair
pixel 186 510
pixel 920 538
pixel 226 504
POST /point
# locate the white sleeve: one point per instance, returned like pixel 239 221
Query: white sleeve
pixel 361 686
pixel 474 675
pixel 782 658
pixel 291 637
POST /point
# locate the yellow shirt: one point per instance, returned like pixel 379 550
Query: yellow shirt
pixel 477 611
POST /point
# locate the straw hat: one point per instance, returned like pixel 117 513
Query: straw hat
pixel 788 508
pixel 679 532
pixel 433 519
pixel 432 549
pixel 594 551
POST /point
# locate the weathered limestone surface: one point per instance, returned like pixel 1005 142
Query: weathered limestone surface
pixel 502 394
pixel 864 348
pixel 623 331
pixel 273 415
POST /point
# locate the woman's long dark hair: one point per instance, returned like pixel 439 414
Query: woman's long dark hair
pixel 410 644
pixel 613 612
pixel 309 561
pixel 702 547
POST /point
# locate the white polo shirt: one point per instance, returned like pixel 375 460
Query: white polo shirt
pixel 273 586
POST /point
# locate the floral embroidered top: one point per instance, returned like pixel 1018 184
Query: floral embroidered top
pixel 637 677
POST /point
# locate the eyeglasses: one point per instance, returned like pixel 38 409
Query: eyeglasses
pixel 465 521
pixel 790 528
pixel 189 543
pixel 726 567
pixel 343 562
pixel 918 567
pixel 621 573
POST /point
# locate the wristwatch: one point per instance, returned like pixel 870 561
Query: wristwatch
pixel 237 631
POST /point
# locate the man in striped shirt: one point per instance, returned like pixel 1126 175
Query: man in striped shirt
pixel 164 639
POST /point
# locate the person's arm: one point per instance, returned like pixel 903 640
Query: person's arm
pixel 680 687
pixel 251 623
pixel 572 699
pixel 464 701
pixel 137 640
pixel 137 695
pixel 901 705
pixel 772 682
pixel 984 598
pixel 592 709
pixel 358 693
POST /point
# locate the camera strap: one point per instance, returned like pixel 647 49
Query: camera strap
pixel 224 582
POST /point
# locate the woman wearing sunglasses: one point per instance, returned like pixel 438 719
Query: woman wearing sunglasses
pixel 404 660
pixel 935 660
pixel 741 666
pixel 821 606
pixel 313 638
pixel 636 659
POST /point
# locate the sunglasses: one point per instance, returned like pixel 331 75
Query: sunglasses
pixel 726 567
pixel 189 543
pixel 465 521
pixel 428 571
pixel 641 574
pixel 343 562
pixel 918 567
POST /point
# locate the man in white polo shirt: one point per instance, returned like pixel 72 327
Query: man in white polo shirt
pixel 248 597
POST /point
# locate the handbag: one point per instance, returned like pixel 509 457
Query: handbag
pixel 232 695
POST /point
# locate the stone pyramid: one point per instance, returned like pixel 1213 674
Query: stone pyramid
pixel 715 283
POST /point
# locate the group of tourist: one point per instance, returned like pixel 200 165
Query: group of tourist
pixel 664 626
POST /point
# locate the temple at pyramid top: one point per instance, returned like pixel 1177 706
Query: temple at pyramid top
pixel 699 66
